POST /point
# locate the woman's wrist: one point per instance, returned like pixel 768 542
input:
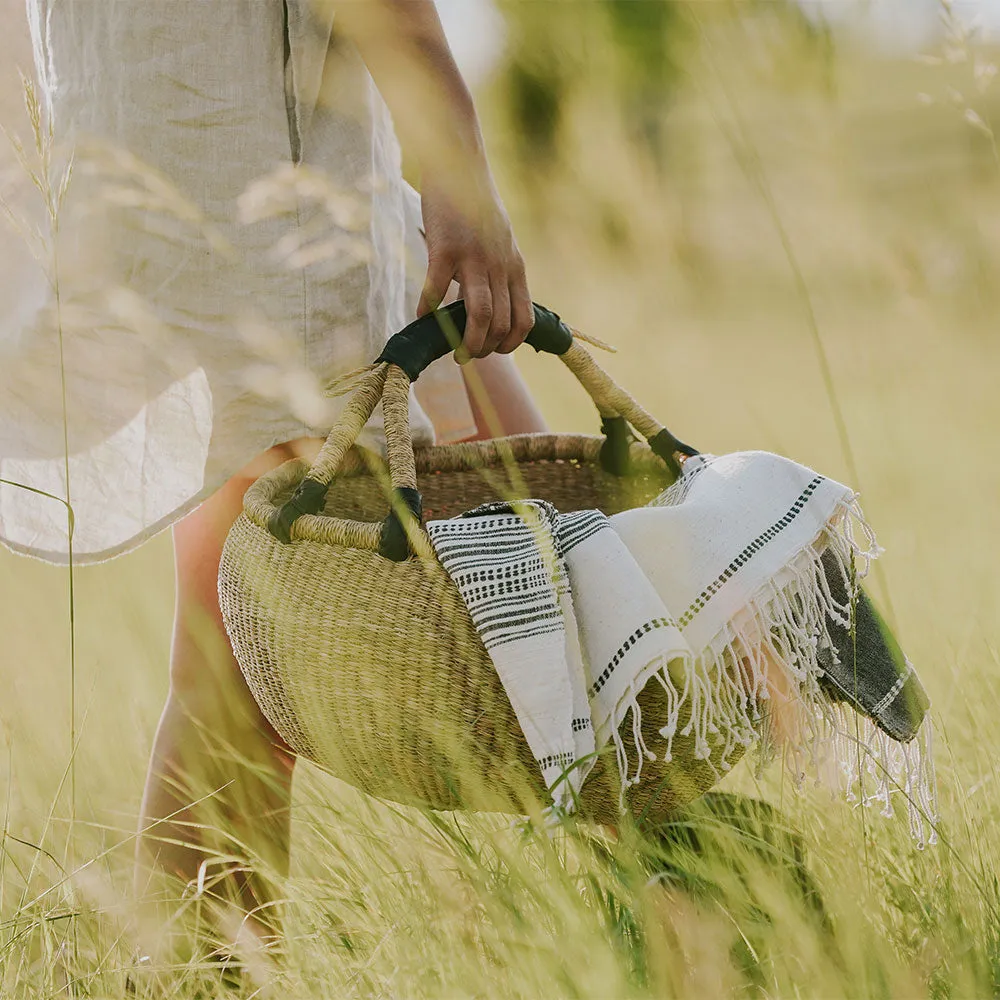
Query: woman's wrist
pixel 459 171
pixel 458 148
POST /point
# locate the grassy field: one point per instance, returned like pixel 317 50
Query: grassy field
pixel 807 195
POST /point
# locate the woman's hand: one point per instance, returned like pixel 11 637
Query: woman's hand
pixel 474 246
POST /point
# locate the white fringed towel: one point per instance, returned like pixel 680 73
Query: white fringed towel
pixel 721 578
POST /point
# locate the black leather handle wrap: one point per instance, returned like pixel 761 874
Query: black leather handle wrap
pixel 394 544
pixel 439 333
pixel 666 445
pixel 307 499
pixel 614 455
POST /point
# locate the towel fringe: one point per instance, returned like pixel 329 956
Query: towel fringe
pixel 874 767
pixel 727 687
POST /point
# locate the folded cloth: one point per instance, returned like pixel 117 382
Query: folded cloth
pixel 866 668
pixel 512 564
pixel 513 580
pixel 746 566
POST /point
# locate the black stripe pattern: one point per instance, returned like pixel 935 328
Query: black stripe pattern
pixel 748 553
pixel 508 563
pixel 560 760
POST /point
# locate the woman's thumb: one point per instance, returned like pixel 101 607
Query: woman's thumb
pixel 439 275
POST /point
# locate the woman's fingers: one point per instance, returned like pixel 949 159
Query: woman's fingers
pixel 522 314
pixel 480 252
pixel 499 312
pixel 478 313
pixel 499 329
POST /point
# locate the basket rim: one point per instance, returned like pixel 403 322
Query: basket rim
pixel 259 505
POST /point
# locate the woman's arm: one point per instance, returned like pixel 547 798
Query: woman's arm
pixel 469 237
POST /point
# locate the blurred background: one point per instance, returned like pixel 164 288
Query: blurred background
pixel 735 194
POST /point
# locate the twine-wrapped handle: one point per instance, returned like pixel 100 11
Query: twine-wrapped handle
pixel 405 356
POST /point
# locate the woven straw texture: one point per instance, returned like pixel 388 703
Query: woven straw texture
pixel 372 668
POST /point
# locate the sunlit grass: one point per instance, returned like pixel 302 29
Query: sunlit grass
pixel 891 220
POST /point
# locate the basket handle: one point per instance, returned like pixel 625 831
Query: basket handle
pixel 439 333
pixel 404 357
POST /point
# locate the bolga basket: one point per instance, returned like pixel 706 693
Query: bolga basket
pixel 352 638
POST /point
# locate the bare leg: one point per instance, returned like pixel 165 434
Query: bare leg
pixel 218 787
pixel 501 403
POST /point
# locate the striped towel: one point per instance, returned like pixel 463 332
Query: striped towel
pixel 512 565
pixel 513 579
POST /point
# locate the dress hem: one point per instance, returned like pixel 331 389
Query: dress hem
pixel 61 558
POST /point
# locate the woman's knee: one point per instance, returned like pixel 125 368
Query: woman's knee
pixel 199 538
pixel 500 399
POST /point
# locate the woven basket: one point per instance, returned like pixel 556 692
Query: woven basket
pixel 355 642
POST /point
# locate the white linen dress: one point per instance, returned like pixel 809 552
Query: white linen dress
pixel 195 309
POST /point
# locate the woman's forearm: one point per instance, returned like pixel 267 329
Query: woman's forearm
pixel 405 49
pixel 469 238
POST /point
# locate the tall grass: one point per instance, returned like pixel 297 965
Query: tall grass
pixel 878 205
